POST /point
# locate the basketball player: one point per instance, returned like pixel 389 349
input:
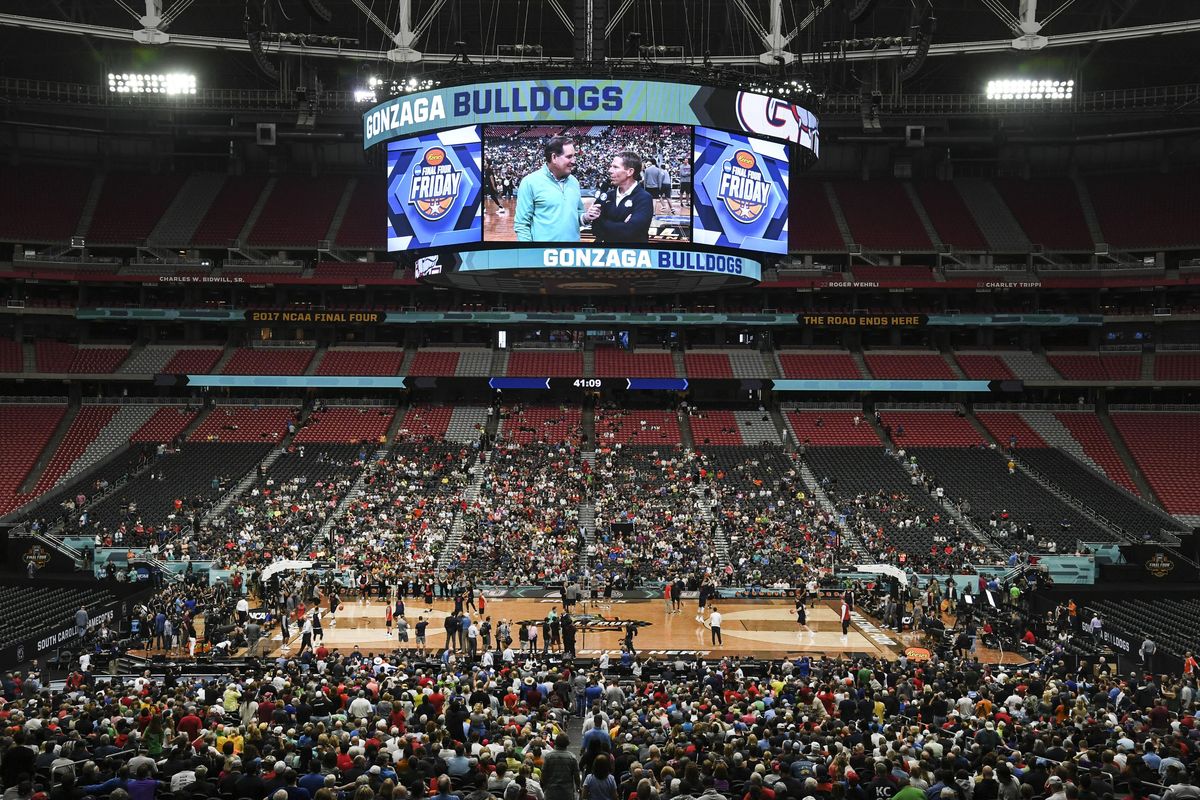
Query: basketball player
pixel 490 189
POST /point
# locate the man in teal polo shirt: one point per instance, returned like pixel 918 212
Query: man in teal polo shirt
pixel 549 202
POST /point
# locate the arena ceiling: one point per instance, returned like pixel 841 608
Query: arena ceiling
pixel 81 40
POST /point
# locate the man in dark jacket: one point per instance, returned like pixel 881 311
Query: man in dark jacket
pixel 560 771
pixel 626 208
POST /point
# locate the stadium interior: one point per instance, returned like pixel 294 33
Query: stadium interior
pixel 899 493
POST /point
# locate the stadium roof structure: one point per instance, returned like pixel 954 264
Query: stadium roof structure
pixel 1144 42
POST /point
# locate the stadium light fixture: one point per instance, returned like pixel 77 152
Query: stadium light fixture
pixel 1030 89
pixel 175 83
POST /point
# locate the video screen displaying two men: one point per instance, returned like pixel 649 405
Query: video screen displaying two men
pixel 604 184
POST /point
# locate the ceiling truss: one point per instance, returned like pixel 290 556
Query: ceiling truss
pixel 772 34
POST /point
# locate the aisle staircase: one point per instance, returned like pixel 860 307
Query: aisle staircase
pixel 813 486
pixel 470 495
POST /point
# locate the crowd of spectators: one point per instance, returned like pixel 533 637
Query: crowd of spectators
pixel 327 725
pixel 778 535
pixel 653 516
pixel 401 519
pixel 523 528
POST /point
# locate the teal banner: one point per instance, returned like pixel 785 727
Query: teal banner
pixel 591 100
pixel 610 258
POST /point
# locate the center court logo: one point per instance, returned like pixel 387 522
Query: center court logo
pixel 435 185
pixel 743 188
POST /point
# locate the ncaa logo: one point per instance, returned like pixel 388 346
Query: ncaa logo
pixel 435 185
pixel 743 188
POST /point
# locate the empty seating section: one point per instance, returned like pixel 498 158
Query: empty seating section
pixel 166 424
pixel 812 227
pixel 466 424
pixel 474 363
pixel 715 428
pixel 112 438
pixel 1097 367
pixel 899 272
pixel 298 212
pixel 635 426
pixel 353 270
pixel 98 360
pixel 757 427
pixel 29 613
pixel 980 367
pixel 1086 429
pixel 881 216
pixel 41 204
pixel 868 472
pixel 424 422
pixel 1090 488
pixel 982 477
pixel 1028 366
pixel 244 424
pixel 909 366
pixel 79 435
pixel 836 428
pixel 748 364
pixel 1166 447
pixel 342 424
pixel 707 365
pixel 54 356
pixel 196 474
pixel 190 361
pixel 1048 210
pixel 1171 622
pixel 150 360
pixel 1005 425
pixel 434 362
pixel 1172 367
pixel 612 362
pixel 130 205
pixel 361 362
pixel 950 216
pixel 546 363
pixel 542 424
pixel 1142 210
pixel 25 431
pixel 365 223
pixel 268 361
pixel 227 215
pixel 930 429
pixel 12 356
pixel 819 366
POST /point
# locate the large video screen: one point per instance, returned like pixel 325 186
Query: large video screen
pixel 564 184
pixel 434 190
pixel 741 190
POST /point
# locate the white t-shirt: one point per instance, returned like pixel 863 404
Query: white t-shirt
pixel 715 619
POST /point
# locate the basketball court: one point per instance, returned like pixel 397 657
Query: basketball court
pixel 760 628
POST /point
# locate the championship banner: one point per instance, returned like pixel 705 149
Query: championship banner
pixel 589 100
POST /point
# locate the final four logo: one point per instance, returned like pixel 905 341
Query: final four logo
pixel 435 185
pixel 743 188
